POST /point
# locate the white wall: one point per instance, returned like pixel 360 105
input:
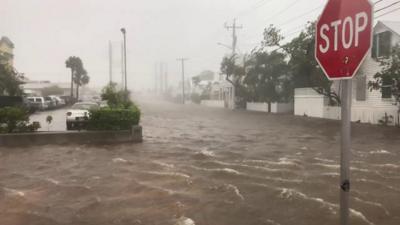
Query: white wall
pixel 257 106
pixel 213 103
pixel 282 107
pixel 308 102
pixel 275 107
pixel 312 104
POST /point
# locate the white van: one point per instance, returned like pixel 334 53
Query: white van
pixel 39 102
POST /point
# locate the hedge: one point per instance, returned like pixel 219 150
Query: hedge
pixel 16 120
pixel 114 118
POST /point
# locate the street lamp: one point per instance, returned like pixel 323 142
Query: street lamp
pixel 124 34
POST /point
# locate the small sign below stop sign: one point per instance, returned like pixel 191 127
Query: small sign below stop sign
pixel 343 37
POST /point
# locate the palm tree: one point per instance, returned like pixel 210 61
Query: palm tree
pixel 81 78
pixel 71 63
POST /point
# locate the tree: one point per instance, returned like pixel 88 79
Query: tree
pixel 10 81
pixel 389 76
pixel 304 68
pixel 267 77
pixel 234 74
pixel 72 63
pixel 79 75
pixel 81 78
pixel 52 90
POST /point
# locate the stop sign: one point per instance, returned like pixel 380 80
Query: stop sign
pixel 343 37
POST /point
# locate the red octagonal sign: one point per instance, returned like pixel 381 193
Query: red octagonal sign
pixel 343 37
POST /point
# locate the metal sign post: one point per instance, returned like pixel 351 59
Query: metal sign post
pixel 343 38
pixel 345 152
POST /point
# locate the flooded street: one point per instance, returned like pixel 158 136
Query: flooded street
pixel 206 166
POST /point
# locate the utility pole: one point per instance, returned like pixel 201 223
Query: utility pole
pixel 161 78
pixel 234 36
pixel 234 43
pixel 183 77
pixel 166 78
pixel 123 30
pixel 122 65
pixel 155 78
pixel 110 59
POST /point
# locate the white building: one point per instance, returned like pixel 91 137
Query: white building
pixel 367 106
pixel 34 88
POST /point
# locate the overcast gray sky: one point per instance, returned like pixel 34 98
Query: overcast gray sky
pixel 46 32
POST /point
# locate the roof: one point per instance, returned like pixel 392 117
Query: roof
pixel 41 85
pixel 392 25
pixel 6 40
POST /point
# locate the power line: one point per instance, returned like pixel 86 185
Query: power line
pixel 287 7
pixel 299 16
pixel 256 6
pixel 391 11
pixel 375 3
pixel 388 6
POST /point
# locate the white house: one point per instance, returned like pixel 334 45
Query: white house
pixel 367 106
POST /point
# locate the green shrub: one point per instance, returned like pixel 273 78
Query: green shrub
pixel 116 98
pixel 16 120
pixel 114 118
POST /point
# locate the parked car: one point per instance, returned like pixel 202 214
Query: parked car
pixel 68 99
pixel 51 102
pixel 59 101
pixel 39 102
pixel 78 115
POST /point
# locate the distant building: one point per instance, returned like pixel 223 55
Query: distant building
pixel 6 51
pixel 34 88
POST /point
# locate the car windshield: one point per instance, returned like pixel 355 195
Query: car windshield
pixel 85 106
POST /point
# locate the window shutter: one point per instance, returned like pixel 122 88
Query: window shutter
pixel 385 41
pixel 361 91
pixel 374 45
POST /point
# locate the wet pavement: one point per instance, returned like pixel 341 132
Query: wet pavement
pixel 206 166
pixel 58 123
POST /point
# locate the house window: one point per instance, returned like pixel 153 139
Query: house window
pixel 386 88
pixel 361 91
pixel 382 44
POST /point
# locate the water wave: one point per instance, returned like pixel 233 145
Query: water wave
pixel 225 170
pixel 380 151
pixel 379 205
pixel 288 193
pixel 13 192
pixel 172 174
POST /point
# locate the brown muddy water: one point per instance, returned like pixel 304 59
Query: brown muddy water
pixel 206 167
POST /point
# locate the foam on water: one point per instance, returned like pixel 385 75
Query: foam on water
pixel 13 192
pixel 263 168
pixel 380 151
pixel 329 166
pixel 379 205
pixel 172 174
pixel 235 190
pixel 289 193
pixel 163 164
pixel 324 160
pixel 225 170
pixel 272 222
pixel 53 181
pixel 119 160
pixel 184 221
pixel 206 152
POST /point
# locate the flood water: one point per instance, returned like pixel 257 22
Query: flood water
pixel 206 166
